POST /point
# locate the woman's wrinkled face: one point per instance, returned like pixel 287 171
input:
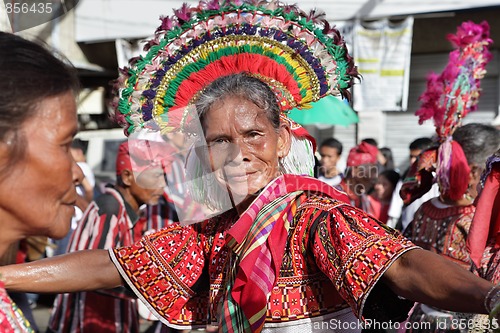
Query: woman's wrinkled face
pixel 243 146
pixel 474 181
pixel 39 194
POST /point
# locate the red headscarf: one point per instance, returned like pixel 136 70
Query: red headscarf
pixel 486 222
pixel 138 155
pixel 419 178
pixel 449 162
pixel 364 153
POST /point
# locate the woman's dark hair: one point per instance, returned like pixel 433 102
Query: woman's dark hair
pixel 370 141
pixel 389 160
pixel 392 176
pixel 244 86
pixel 332 143
pixel 30 74
pixel 421 144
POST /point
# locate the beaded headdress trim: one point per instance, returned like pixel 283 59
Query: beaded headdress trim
pixel 298 55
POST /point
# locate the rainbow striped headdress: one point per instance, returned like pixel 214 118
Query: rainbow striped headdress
pixel 300 56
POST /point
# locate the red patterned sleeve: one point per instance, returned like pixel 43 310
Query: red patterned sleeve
pixel 162 268
pixel 354 250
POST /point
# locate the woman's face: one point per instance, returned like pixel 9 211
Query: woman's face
pixel 474 181
pixel 243 146
pixel 39 194
pixel 384 188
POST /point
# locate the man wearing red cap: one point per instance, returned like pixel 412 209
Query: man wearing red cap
pixel 110 221
pixel 361 176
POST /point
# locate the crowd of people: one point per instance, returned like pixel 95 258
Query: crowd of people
pixel 217 219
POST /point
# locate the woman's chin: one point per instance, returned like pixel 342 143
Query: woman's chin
pixel 61 229
pixel 58 233
pixel 239 196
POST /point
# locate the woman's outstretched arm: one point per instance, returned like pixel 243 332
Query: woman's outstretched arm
pixel 425 277
pixel 77 271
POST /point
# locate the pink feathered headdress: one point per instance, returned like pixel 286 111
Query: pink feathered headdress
pixel 450 96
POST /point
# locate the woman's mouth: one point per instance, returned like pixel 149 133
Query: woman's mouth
pixel 238 177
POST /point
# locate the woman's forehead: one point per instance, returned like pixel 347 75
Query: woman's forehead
pixel 236 108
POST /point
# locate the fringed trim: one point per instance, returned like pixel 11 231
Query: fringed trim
pixel 300 160
pixel 204 188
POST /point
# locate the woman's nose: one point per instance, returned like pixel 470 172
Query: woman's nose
pixel 77 173
pixel 239 152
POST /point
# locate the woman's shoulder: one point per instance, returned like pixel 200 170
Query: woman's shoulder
pixel 320 202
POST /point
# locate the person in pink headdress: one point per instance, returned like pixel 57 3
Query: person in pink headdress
pixel 483 242
pixel 441 224
pixel 361 178
pixel 112 220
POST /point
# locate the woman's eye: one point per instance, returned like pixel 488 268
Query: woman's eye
pixel 219 141
pixel 66 147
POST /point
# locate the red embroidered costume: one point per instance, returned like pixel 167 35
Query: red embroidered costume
pixel 11 318
pixel 333 258
pixel 442 229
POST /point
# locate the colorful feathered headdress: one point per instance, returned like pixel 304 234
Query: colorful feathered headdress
pixel 300 56
pixel 454 93
pixel 449 97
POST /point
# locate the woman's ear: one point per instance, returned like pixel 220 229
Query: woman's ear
pixel 284 140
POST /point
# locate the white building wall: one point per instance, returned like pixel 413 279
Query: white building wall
pixel 4 19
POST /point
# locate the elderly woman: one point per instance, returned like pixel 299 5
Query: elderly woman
pixel 286 251
pixel 37 172
pixel 334 253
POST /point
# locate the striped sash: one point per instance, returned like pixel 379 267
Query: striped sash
pixel 258 242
